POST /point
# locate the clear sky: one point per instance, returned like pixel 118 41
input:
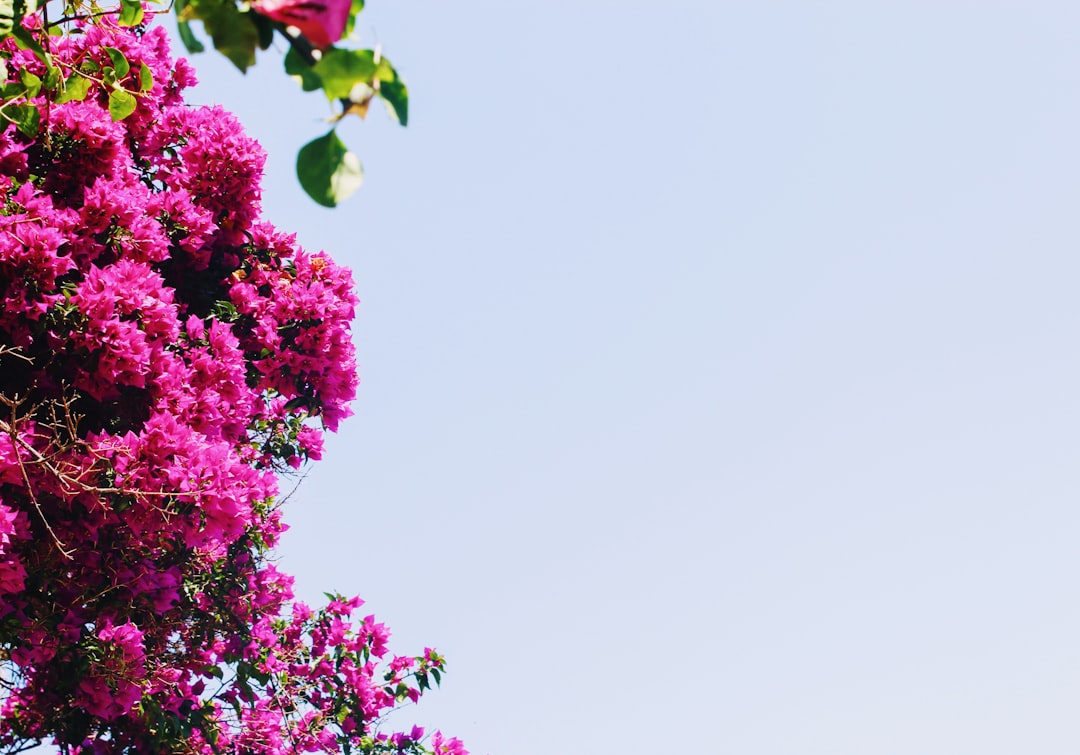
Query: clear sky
pixel 719 371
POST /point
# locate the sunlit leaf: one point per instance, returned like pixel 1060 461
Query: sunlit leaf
pixel 120 63
pixel 340 70
pixel 146 78
pixel 31 82
pixel 121 104
pixel 131 12
pixel 350 24
pixel 76 88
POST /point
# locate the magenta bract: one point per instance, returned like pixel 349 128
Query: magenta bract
pixel 164 355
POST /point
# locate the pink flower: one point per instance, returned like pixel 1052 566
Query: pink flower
pixel 321 21
pixel 452 746
pixel 174 352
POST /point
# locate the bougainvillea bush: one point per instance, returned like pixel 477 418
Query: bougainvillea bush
pixel 165 355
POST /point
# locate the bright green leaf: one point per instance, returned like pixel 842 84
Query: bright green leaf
pixel 328 172
pixel 31 82
pixel 131 12
pixel 354 11
pixel 384 71
pixel 120 63
pixel 146 78
pixel 340 70
pixel 76 88
pixel 121 104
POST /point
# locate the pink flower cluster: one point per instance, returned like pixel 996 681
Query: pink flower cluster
pixel 164 354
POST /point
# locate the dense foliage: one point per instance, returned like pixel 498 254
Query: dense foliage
pixel 164 356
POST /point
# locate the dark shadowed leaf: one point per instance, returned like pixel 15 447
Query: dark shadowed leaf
pixel 297 67
pixel 328 171
pixel 233 33
pixel 396 96
pixel 25 117
pixel 7 17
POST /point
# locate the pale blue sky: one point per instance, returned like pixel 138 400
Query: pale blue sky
pixel 719 371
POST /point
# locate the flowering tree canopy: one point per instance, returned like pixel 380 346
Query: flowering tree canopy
pixel 165 354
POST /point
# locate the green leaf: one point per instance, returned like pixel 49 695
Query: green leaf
pixel 265 28
pixel 131 12
pixel 328 172
pixel 233 33
pixel 396 97
pixel 76 88
pixel 31 82
pixel 300 402
pixel 354 11
pixel 146 78
pixel 384 71
pixel 28 41
pixel 11 90
pixel 121 104
pixel 340 70
pixel 297 67
pixel 8 17
pixel 224 310
pixel 120 63
pixel 25 117
pixel 187 36
pixel 52 78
